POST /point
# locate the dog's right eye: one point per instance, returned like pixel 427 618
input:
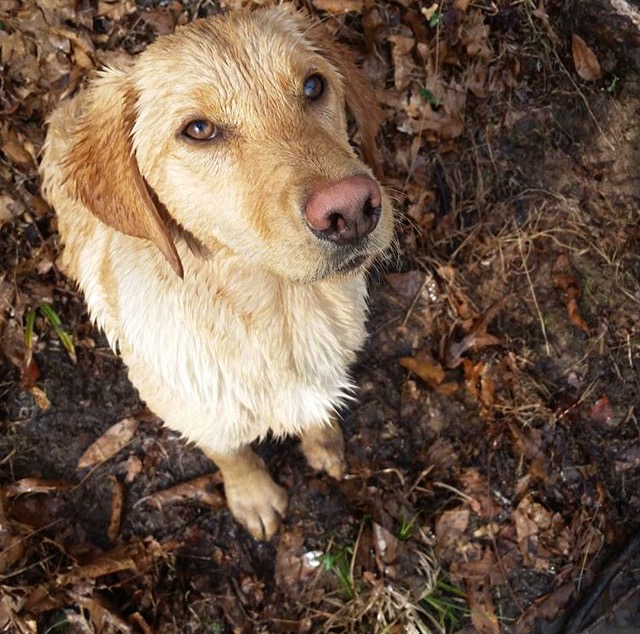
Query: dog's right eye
pixel 314 87
pixel 200 130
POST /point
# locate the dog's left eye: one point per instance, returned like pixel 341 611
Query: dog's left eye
pixel 314 87
pixel 200 130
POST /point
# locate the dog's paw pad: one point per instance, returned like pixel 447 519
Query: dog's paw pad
pixel 259 506
pixel 324 450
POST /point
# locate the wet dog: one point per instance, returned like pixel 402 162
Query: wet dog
pixel 220 225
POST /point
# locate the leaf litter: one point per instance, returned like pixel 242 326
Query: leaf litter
pixel 493 453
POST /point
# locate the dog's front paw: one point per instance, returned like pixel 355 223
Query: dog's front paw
pixel 258 503
pixel 323 447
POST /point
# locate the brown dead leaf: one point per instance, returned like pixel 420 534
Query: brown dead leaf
pixel 40 397
pixel 161 20
pixel 480 384
pixel 584 59
pixel 138 556
pixel 295 564
pixel 16 148
pixel 602 412
pixel 456 296
pixel 385 544
pixel 541 14
pixel 450 528
pixel 475 36
pixel 29 372
pixel 138 620
pixel 527 441
pixel 10 208
pixel 205 489
pixel 117 9
pixel 133 467
pixel 114 561
pixel 407 284
pixel 112 441
pixel 82 47
pixel 475 485
pixel 430 371
pixel 338 7
pixel 403 66
pixel 565 277
pixel 425 366
pixel 478 336
pixel 103 615
pixel 546 607
pixel 38 510
pixel 483 612
pixel 116 508
pixel 12 542
pixel 531 519
pixel 35 485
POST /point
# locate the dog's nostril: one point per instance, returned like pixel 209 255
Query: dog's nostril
pixel 337 223
pixel 369 209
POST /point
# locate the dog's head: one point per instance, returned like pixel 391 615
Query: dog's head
pixel 235 130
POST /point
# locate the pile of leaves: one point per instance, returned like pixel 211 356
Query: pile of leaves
pixel 493 456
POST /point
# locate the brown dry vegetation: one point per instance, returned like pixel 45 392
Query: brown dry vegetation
pixel 494 455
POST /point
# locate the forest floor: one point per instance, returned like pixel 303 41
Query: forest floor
pixel 493 455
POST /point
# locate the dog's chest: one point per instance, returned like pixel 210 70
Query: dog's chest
pixel 246 344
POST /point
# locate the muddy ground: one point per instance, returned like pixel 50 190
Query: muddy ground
pixel 493 453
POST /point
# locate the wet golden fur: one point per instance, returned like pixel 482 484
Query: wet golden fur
pixel 233 318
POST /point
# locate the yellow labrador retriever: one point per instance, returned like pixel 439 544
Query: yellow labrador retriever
pixel 220 226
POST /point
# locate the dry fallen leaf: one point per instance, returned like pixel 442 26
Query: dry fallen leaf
pixel 450 528
pixel 295 564
pixel 480 384
pixel 112 441
pixel 565 277
pixel 403 65
pixel 483 612
pixel 386 548
pixel 425 366
pixel 478 336
pixel 546 607
pixel 531 519
pixel 475 36
pixel 585 60
pixel 407 284
pixel 430 371
pixel 117 496
pixel 12 542
pixel 541 14
pixel 602 412
pixel 461 5
pixel 205 489
pixel 339 6
pixel 34 485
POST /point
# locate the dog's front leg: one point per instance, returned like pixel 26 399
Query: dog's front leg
pixel 323 447
pixel 254 499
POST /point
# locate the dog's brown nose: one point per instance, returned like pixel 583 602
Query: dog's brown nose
pixel 345 211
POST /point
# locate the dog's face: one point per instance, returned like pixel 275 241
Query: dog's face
pixel 236 129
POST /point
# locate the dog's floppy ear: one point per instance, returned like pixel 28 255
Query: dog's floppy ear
pixel 102 168
pixel 360 97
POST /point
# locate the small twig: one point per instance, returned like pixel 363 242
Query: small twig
pixel 535 299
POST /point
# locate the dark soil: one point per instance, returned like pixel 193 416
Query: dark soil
pixel 493 453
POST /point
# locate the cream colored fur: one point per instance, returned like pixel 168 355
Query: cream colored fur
pixel 194 259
